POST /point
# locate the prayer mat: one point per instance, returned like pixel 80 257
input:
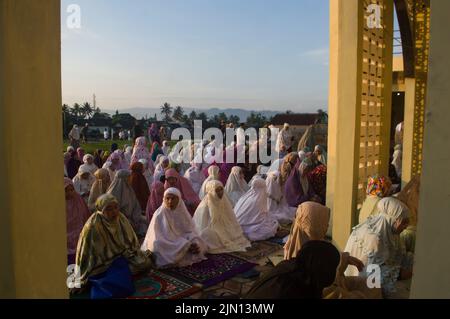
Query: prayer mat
pixel 258 251
pixel 158 285
pixel 155 285
pixel 210 272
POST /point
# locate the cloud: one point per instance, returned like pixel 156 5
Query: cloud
pixel 318 55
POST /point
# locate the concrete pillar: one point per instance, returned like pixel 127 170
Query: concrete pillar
pixel 432 260
pixel 360 84
pixel 32 213
pixel 343 112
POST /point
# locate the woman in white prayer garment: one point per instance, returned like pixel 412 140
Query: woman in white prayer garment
pixel 236 185
pixel 276 201
pixel 172 236
pixel 216 222
pixel 88 161
pixel 213 175
pixel 160 168
pixel 253 215
pixel 83 182
pixel 195 176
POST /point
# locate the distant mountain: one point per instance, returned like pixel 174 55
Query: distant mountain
pixel 139 113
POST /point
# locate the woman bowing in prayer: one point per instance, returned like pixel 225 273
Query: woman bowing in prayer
pixel 89 164
pixel 213 175
pixel 106 236
pixel 378 187
pixel 100 187
pixel 77 214
pixel 216 222
pixel 83 182
pixel 171 235
pixel 195 176
pixel 139 184
pixel 253 215
pixel 190 198
pixel 377 242
pixel 236 185
pixel 129 204
pixel 140 150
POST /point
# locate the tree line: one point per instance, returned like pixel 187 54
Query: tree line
pixel 85 113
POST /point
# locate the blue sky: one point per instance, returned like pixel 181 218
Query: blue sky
pixel 252 54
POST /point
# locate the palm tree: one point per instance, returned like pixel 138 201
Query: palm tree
pixel 65 109
pixel 166 110
pixel 87 109
pixel 234 119
pixel 76 110
pixel 178 113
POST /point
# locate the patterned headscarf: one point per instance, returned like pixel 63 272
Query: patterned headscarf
pixel 378 186
pixel 104 201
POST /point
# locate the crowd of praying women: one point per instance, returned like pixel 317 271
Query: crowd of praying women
pixel 139 204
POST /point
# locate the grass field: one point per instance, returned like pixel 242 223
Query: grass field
pixel 90 147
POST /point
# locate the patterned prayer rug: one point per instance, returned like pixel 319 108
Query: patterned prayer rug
pixel 157 285
pixel 215 269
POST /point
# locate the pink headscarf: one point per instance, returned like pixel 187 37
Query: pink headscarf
pixel 190 198
pixel 80 153
pixel 140 150
pixel 117 154
pixel 77 213
pixel 155 200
